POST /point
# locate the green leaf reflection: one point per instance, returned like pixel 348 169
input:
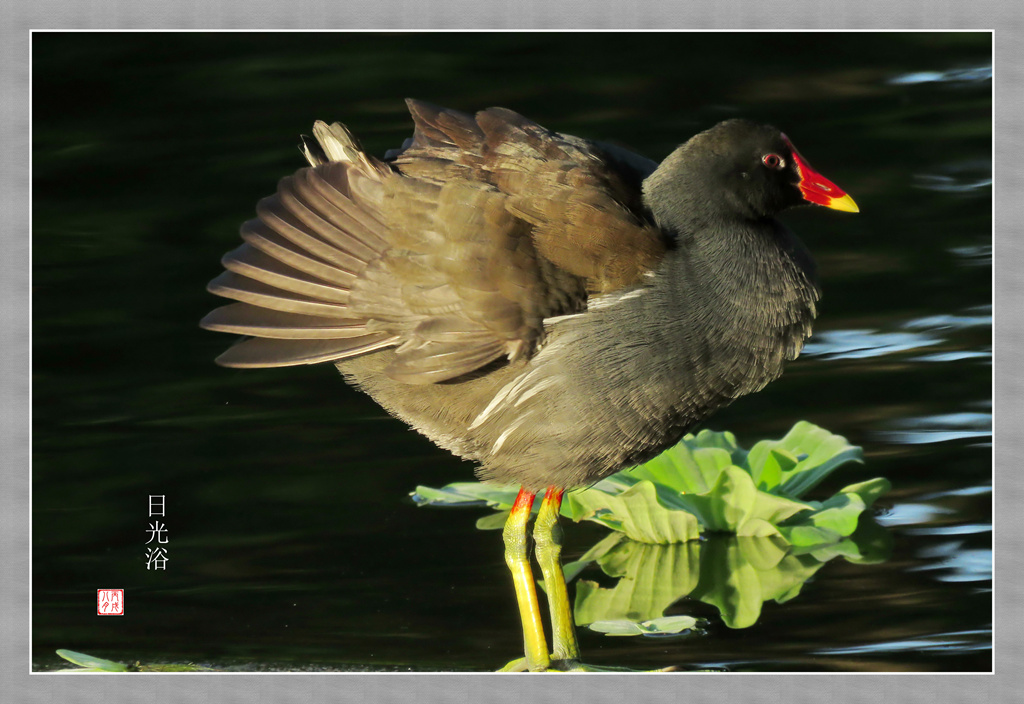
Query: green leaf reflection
pixel 736 575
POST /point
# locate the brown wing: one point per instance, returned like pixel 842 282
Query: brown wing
pixel 583 211
pixel 454 254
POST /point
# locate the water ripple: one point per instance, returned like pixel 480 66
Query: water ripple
pixel 963 491
pixel 974 255
pixel 954 356
pixel 909 514
pixel 920 332
pixel 975 74
pixel 976 316
pixel 960 640
pixel 958 564
pixel 859 344
pixel 939 428
pixel 962 529
pixel 951 184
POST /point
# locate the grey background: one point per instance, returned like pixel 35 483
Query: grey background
pixel 1006 18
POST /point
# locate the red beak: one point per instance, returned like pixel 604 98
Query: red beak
pixel 817 189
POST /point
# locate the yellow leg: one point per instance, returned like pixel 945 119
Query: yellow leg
pixel 547 534
pixel 518 561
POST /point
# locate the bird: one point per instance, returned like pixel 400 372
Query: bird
pixel 552 308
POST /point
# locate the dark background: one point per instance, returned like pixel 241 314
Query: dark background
pixel 293 543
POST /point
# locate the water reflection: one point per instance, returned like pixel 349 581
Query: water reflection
pixel 943 642
pixel 976 316
pixel 861 344
pixel 941 427
pixel 954 562
pixel 975 255
pixel 910 513
pixel 955 356
pixel 955 75
pixel 736 575
pixel 963 529
pixel 915 334
pixel 951 184
pixel 965 491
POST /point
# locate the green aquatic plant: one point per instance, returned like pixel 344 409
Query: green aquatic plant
pixel 91 663
pixel 763 539
pixel 708 483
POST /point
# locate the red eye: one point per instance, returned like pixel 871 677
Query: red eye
pixel 773 161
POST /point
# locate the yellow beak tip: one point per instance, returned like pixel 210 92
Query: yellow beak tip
pixel 846 204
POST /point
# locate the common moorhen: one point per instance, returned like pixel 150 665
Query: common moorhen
pixel 552 308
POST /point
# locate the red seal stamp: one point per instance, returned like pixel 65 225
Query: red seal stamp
pixel 110 602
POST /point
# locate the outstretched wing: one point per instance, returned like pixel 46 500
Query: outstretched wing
pixel 454 253
pixel 585 208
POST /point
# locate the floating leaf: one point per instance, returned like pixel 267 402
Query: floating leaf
pixel 495 521
pixel 769 474
pixel 636 512
pixel 667 625
pixel 707 482
pixel 685 468
pixel 870 490
pixel 820 452
pixel 734 505
pixel 831 521
pixel 466 494
pixel 92 663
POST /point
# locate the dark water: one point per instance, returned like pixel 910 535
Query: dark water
pixel 292 541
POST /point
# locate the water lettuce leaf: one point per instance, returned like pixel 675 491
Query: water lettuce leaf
pixel 709 483
pixel 666 625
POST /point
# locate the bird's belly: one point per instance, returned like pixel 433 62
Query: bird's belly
pixel 579 410
pixel 588 407
pixel 521 423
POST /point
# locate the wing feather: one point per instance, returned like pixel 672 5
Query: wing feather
pixel 454 253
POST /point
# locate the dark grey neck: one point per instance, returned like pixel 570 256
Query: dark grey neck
pixel 753 275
